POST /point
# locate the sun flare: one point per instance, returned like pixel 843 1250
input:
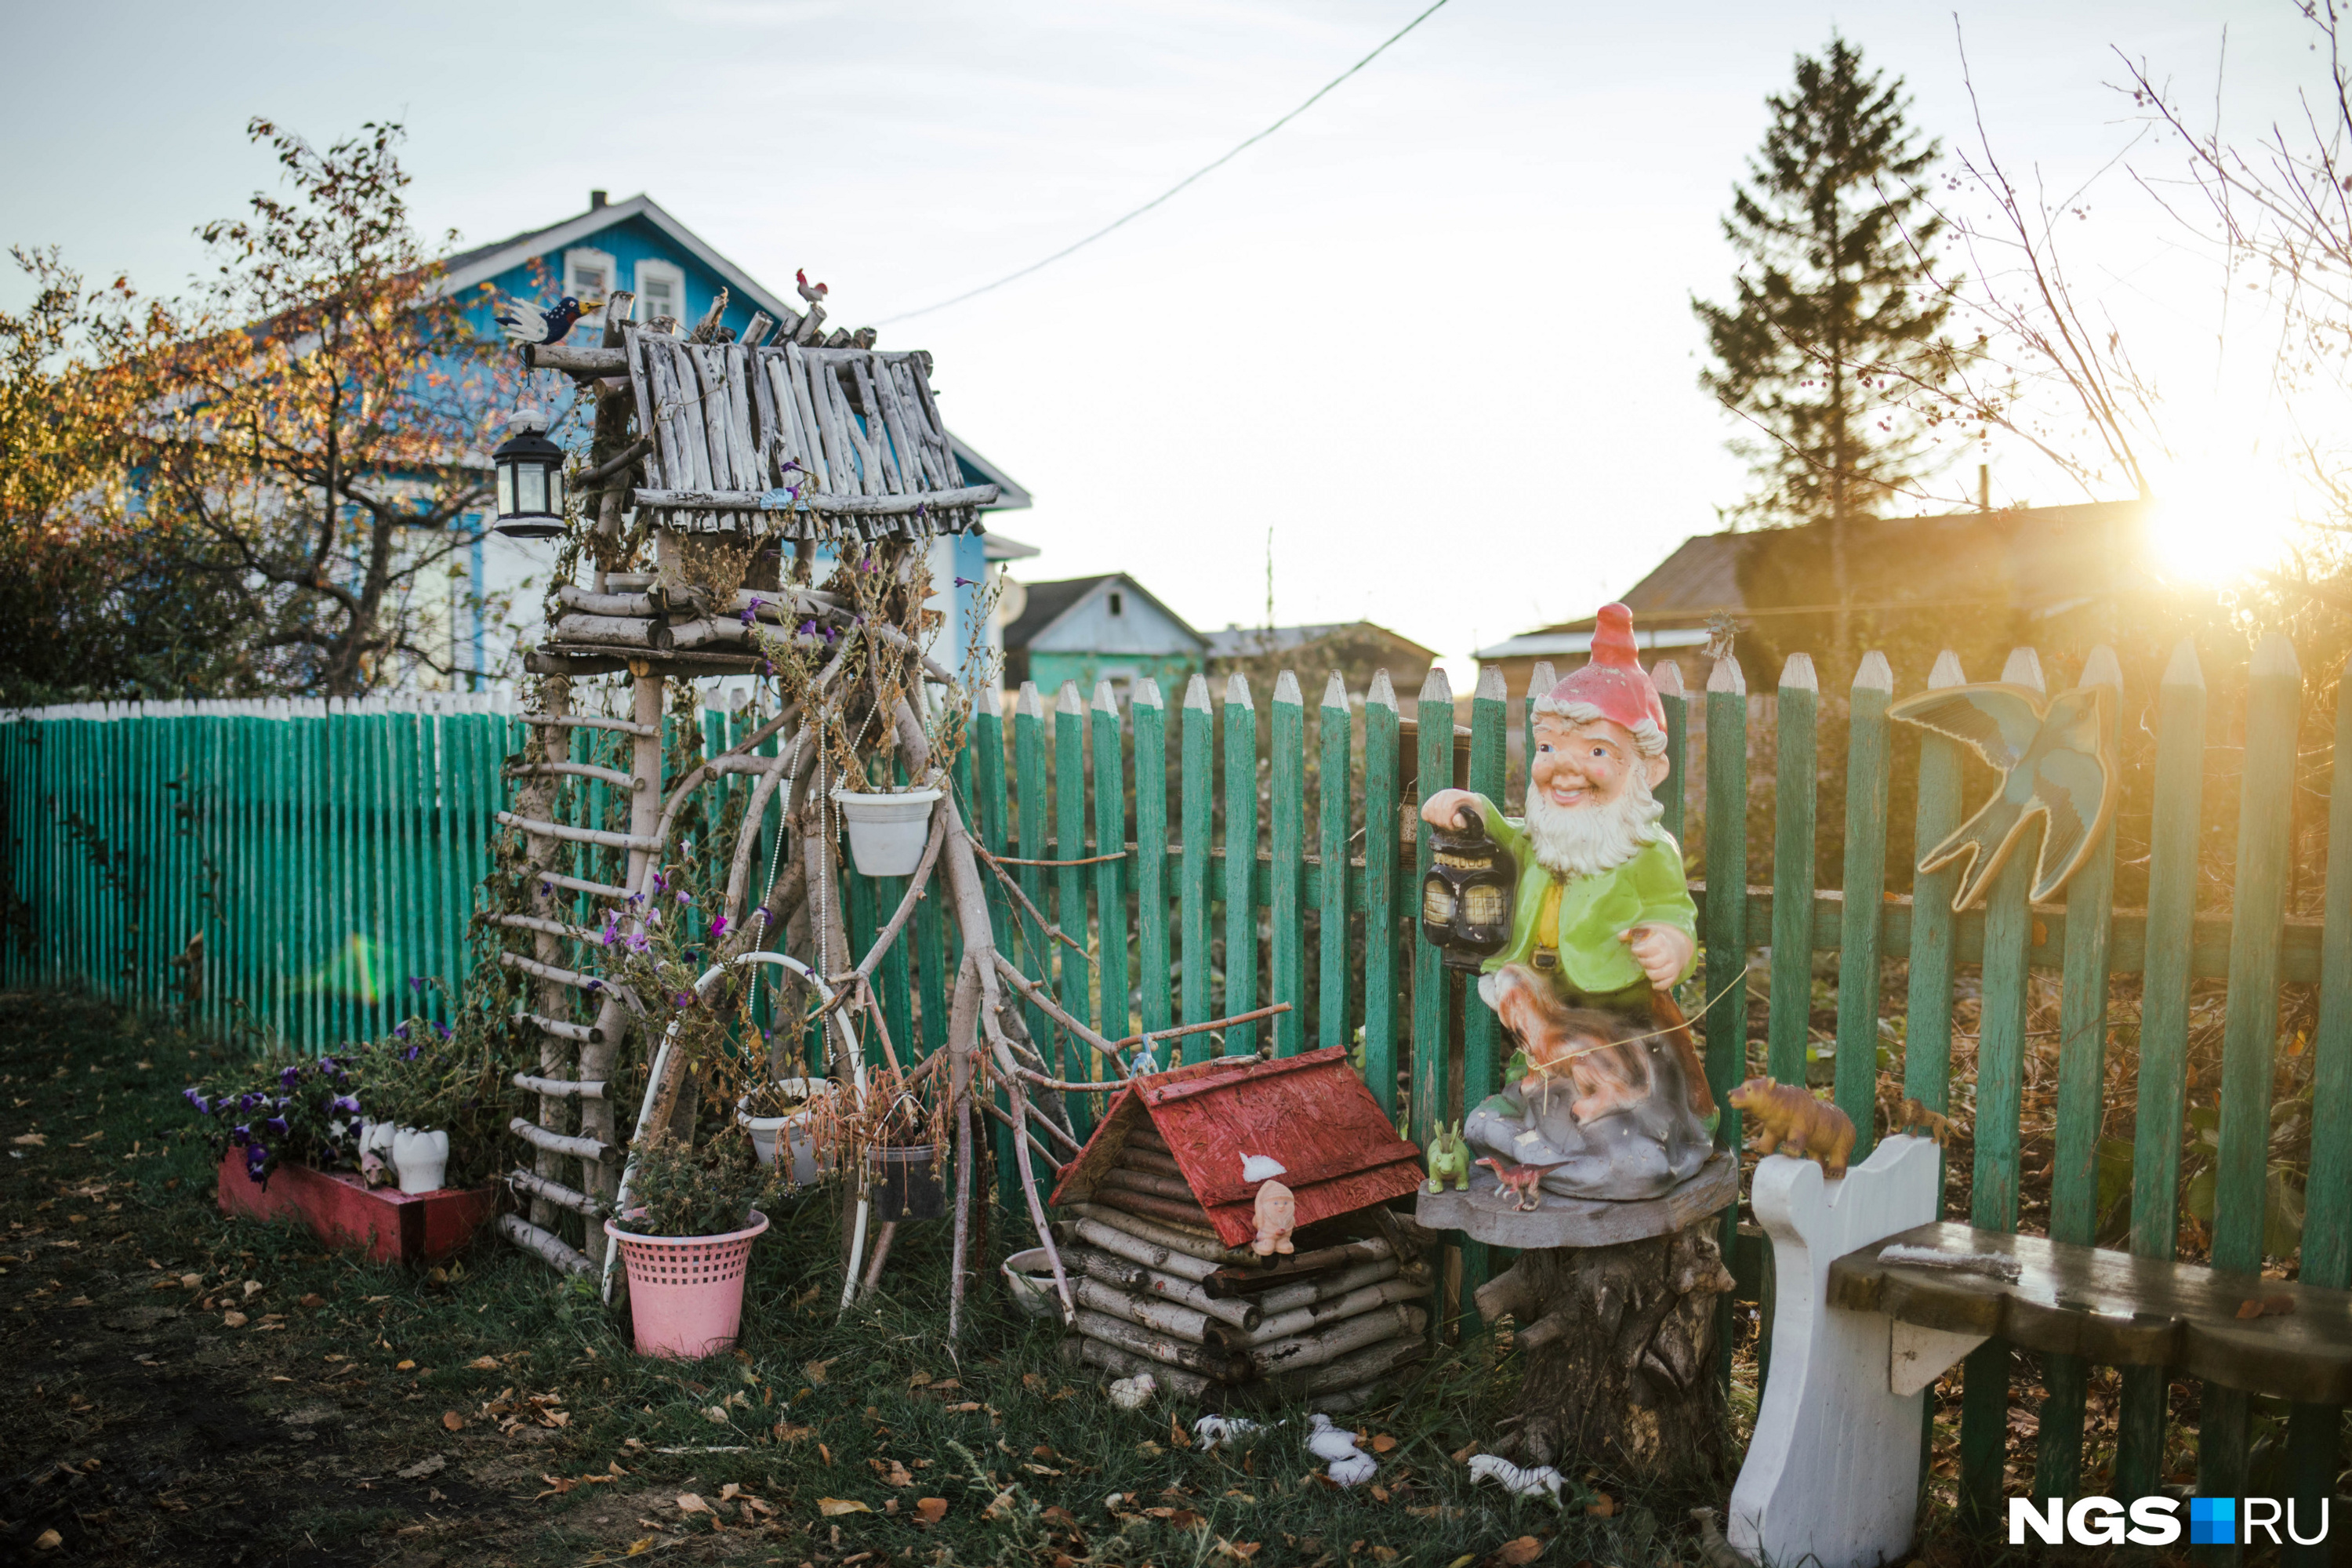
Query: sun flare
pixel 2213 523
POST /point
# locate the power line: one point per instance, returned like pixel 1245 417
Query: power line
pixel 1195 175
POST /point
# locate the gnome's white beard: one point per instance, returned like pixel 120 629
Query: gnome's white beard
pixel 1581 840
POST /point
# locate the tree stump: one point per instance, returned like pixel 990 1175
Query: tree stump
pixel 1618 1349
pixel 1615 1304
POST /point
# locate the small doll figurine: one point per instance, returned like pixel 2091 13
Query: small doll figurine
pixel 1277 1212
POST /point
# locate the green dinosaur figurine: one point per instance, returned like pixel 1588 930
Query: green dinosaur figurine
pixel 1449 1160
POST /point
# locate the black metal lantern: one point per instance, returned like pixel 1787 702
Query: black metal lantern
pixel 1465 899
pixel 530 478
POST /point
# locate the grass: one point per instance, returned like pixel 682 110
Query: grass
pixel 490 1412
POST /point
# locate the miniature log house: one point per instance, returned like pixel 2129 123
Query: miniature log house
pixel 1161 1221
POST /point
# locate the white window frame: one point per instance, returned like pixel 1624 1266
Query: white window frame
pixel 661 271
pixel 580 258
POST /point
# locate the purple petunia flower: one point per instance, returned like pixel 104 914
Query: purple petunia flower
pixel 546 889
pixel 401 1030
pixel 196 1098
pixel 767 666
pixel 247 1100
pixel 240 1135
pixel 967 582
pixel 416 983
pixel 277 1127
pixel 442 1030
pixel 345 1103
pixel 659 882
pixel 411 1053
pixel 291 1078
pixel 595 985
pixel 326 1064
pixel 685 998
pixel 684 897
pixel 718 926
pixel 639 943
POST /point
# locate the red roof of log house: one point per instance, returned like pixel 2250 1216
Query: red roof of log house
pixel 1310 1113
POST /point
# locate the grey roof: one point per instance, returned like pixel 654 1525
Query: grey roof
pixel 2039 558
pixel 1049 602
pixel 1247 642
pixel 1701 576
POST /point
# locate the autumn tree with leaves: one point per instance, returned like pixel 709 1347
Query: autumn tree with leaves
pixel 295 448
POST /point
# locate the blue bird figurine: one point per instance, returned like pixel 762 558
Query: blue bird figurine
pixel 526 323
pixel 2057 761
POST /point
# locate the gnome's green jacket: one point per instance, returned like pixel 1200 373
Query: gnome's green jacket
pixel 1594 967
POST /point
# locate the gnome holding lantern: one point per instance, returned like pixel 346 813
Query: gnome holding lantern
pixel 1605 1093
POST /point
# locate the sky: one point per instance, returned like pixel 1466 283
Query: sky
pixel 1425 356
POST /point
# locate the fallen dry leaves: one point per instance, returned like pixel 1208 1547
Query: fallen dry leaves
pixel 930 1509
pixel 510 1411
pixel 233 1320
pixel 834 1507
pixel 453 1421
pixel 1515 1553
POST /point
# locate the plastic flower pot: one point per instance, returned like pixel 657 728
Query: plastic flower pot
pixel 686 1292
pixel 886 831
pixel 1029 1280
pixel 421 1159
pixel 906 1182
pixel 797 1127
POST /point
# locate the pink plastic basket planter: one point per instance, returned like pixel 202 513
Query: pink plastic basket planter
pixel 686 1292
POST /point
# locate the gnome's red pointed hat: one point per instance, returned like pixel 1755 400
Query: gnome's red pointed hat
pixel 1613 685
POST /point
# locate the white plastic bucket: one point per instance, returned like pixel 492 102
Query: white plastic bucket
pixel 886 831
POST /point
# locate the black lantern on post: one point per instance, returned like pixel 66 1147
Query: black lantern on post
pixel 1465 899
pixel 530 478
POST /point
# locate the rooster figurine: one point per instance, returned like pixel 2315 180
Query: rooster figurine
pixel 526 323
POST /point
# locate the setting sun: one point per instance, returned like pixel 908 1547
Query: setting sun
pixel 2215 522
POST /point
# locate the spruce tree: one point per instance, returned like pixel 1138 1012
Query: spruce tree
pixel 1833 302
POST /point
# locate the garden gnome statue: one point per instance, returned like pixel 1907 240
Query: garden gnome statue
pixel 1606 1089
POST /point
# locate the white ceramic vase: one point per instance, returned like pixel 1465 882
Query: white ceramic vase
pixel 421 1158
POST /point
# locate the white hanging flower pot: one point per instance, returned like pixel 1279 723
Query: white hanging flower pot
pixel 886 831
pixel 421 1158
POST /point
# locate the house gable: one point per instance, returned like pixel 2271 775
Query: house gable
pixel 1115 615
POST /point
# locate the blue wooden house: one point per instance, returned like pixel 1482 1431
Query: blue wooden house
pixel 634 244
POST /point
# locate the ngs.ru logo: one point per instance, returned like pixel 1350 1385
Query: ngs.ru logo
pixel 2155 1521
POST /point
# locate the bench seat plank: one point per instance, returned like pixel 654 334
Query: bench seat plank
pixel 2114 1309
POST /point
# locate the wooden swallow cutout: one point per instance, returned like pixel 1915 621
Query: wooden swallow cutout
pixel 2058 760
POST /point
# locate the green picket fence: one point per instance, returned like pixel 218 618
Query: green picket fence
pixel 281 868
pixel 1239 861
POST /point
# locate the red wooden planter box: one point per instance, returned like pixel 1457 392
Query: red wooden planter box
pixel 390 1225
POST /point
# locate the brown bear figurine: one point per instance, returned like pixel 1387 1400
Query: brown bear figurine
pixel 1785 1114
